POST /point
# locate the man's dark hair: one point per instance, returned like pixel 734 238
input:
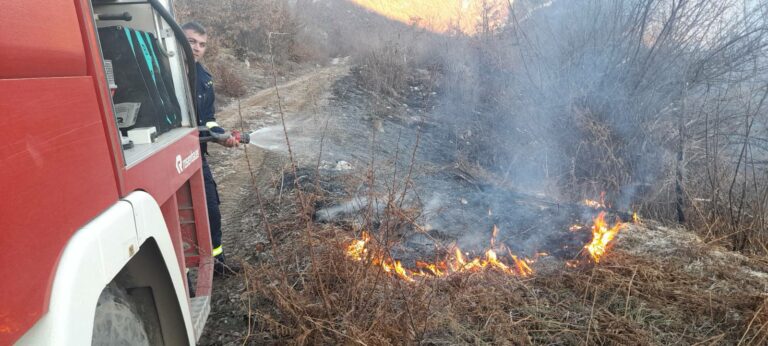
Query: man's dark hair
pixel 194 26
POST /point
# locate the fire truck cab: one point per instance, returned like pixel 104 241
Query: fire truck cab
pixel 102 215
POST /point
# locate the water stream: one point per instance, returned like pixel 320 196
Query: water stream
pixel 269 138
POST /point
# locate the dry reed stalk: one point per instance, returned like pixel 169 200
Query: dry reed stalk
pixel 301 198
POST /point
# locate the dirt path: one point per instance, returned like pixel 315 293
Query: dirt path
pixel 303 94
pixel 303 97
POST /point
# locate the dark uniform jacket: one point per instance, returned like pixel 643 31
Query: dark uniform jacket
pixel 205 100
pixel 206 113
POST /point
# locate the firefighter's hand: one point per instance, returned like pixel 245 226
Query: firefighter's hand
pixel 230 142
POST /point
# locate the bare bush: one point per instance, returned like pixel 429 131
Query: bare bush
pixel 384 70
pixel 228 81
pixel 656 102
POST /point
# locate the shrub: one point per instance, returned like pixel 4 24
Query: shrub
pixel 384 70
pixel 227 80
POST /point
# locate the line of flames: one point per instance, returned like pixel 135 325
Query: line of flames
pixel 457 262
pixel 461 262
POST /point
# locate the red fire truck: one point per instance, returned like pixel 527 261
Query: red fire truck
pixel 102 213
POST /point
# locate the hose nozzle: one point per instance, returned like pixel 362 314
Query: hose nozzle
pixel 241 137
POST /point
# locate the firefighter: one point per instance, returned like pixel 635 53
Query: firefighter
pixel 197 37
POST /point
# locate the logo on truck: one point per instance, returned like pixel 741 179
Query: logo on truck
pixel 182 164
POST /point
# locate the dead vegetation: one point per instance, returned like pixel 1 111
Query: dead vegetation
pixel 384 70
pixel 695 293
pixel 246 27
pixel 228 81
pixel 658 103
pixel 655 102
pixel 657 286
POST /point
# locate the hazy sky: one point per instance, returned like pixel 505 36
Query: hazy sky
pixel 440 15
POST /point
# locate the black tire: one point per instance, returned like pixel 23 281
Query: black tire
pixel 117 320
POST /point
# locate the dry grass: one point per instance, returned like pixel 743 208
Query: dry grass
pixel 659 286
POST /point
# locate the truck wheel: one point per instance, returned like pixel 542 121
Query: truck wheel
pixel 117 320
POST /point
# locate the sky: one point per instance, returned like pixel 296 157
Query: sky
pixel 441 15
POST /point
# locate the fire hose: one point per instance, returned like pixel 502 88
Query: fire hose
pixel 221 135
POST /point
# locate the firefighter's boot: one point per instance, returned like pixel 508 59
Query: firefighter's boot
pixel 222 268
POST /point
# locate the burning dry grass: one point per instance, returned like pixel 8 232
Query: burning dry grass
pixel 678 292
pixel 497 258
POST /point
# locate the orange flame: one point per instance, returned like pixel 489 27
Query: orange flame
pixel 401 272
pixel 522 266
pixel 460 262
pixel 356 249
pixel 595 204
pixel 433 268
pixel 602 235
pixel 359 250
